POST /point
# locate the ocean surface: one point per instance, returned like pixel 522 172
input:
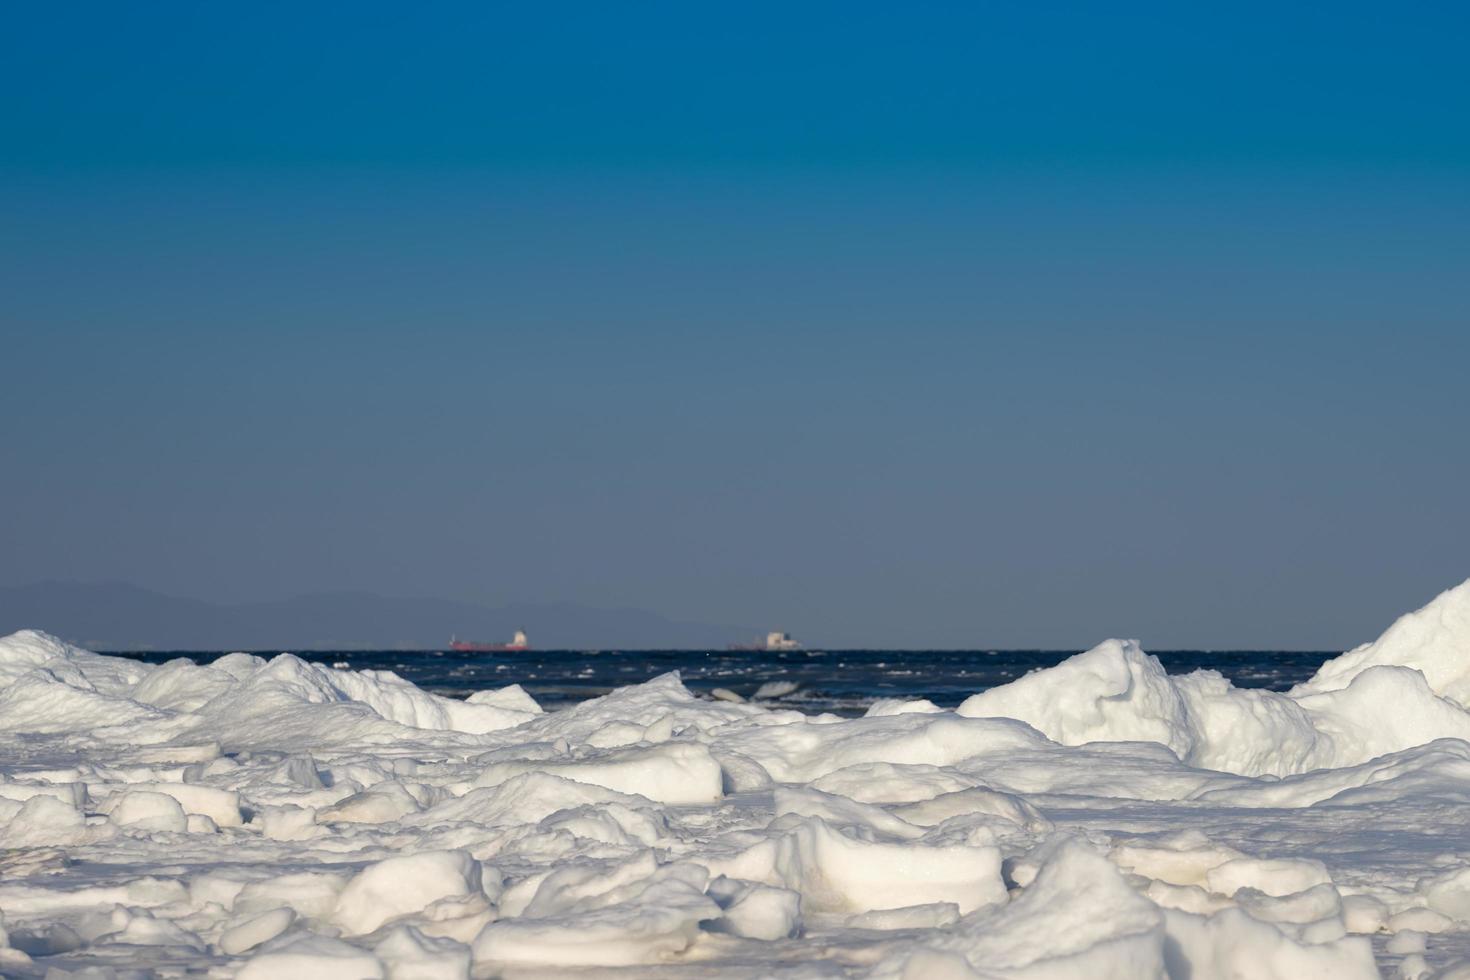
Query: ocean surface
pixel 840 681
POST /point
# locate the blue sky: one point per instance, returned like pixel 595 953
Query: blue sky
pixel 974 325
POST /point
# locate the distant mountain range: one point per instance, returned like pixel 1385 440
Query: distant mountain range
pixel 116 616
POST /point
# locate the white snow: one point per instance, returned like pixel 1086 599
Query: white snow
pixel 277 818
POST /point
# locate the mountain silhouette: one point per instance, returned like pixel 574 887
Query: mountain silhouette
pixel 118 616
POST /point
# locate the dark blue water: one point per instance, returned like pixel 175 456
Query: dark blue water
pixel 843 681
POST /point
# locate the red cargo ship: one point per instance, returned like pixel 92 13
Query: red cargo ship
pixel 469 646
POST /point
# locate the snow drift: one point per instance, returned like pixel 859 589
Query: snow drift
pixel 276 818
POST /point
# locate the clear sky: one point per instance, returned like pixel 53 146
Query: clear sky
pixel 963 325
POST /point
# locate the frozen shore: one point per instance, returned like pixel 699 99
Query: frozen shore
pixel 1101 819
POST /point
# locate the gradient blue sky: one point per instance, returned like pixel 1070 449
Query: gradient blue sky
pixel 971 325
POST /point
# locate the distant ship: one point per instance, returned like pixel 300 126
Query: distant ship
pixel 775 640
pixel 519 642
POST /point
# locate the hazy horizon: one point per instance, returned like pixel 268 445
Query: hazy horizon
pixel 134 618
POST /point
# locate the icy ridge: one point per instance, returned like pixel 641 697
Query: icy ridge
pixel 277 818
pixel 1407 688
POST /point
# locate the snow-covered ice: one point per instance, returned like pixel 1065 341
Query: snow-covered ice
pixel 277 818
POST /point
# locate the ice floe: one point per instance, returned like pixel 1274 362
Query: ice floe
pixel 1102 818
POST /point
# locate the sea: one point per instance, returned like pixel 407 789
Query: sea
pixel 843 682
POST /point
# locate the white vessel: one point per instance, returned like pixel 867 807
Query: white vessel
pixel 775 640
pixel 781 641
